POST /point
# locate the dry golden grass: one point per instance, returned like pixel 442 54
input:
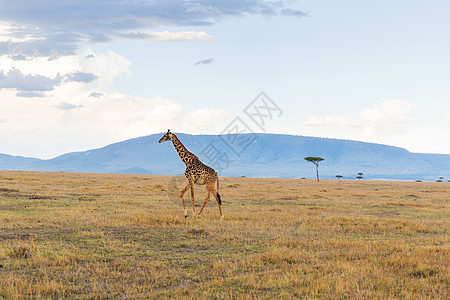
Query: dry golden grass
pixel 124 236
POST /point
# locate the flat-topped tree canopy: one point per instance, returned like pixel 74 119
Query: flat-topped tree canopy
pixel 315 160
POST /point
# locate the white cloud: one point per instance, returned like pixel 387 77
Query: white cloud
pixel 106 66
pixel 385 118
pixel 376 123
pixel 37 77
pixel 447 116
pixel 42 65
pixel 78 113
pixel 43 128
pixel 168 36
pixel 202 120
pixel 388 111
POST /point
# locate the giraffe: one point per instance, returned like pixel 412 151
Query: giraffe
pixel 196 172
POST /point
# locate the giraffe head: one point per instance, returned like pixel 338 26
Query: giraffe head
pixel 166 137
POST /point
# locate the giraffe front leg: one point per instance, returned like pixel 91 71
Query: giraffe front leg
pixel 182 199
pixel 193 198
pixel 206 201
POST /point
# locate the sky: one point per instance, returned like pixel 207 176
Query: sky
pixel 79 74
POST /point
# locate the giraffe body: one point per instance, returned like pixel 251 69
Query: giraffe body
pixel 196 173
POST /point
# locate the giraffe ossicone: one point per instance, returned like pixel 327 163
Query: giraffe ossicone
pixel 196 173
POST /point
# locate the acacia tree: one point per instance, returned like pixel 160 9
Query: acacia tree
pixel 315 161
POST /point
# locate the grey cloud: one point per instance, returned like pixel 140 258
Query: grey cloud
pixel 67 106
pixel 96 95
pixel 28 94
pixel 52 47
pixel 204 61
pixel 293 12
pixel 97 17
pixel 14 79
pixel 63 25
pixel 81 77
pixel 35 85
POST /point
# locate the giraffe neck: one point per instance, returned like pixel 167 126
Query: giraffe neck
pixel 184 154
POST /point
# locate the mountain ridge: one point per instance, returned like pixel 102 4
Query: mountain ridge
pixel 256 155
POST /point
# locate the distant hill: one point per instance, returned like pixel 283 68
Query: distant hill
pixel 260 155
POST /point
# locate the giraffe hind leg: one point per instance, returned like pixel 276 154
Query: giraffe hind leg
pixel 217 196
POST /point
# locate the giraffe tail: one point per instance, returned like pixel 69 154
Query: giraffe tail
pixel 218 195
pixel 220 200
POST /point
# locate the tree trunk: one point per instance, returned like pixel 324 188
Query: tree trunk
pixel 317 172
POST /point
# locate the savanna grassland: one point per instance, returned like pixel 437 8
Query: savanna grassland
pixel 68 235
